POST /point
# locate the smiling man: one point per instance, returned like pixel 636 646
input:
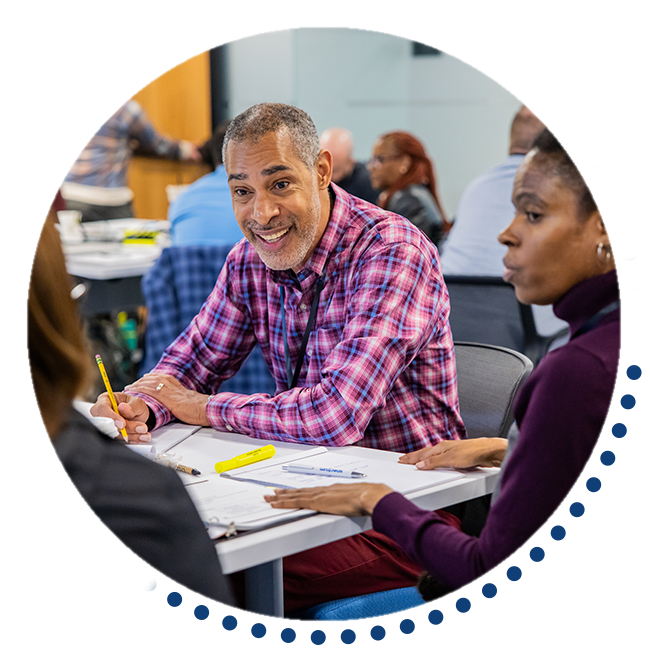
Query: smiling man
pixel 345 300
pixel 348 306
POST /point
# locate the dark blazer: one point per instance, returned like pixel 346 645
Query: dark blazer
pixel 102 523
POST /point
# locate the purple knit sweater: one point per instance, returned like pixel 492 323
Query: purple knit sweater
pixel 560 412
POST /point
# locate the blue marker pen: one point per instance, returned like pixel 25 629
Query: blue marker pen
pixel 323 471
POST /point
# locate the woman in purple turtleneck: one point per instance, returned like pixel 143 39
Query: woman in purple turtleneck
pixel 559 253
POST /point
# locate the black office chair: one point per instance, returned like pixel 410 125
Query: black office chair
pixel 488 380
pixel 485 310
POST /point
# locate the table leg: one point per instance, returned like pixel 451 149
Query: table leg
pixel 264 589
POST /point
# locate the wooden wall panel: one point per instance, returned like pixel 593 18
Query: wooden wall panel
pixel 178 103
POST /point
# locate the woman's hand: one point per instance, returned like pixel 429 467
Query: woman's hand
pixel 355 500
pixel 460 454
pixel 185 404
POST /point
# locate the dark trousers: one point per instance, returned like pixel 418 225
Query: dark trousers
pixel 357 565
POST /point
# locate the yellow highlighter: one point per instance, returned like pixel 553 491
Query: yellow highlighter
pixel 262 453
pixel 109 390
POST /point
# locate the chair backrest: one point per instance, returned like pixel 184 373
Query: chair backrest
pixel 175 289
pixel 485 310
pixel 488 380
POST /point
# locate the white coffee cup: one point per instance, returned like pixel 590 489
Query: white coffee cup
pixel 70 221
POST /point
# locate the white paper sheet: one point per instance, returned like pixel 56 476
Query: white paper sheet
pixel 402 478
pixel 221 502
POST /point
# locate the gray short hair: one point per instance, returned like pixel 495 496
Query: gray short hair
pixel 255 122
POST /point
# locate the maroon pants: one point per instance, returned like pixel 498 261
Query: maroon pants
pixel 361 564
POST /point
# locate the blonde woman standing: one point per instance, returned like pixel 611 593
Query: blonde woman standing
pixel 97 125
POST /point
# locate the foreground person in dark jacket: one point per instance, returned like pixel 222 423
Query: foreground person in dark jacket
pixel 558 253
pixel 143 503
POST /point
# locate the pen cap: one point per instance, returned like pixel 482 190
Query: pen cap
pixel 261 453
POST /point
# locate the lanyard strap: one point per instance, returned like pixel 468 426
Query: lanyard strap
pixel 292 377
pixel 596 318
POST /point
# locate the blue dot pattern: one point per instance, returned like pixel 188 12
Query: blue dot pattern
pixel 628 402
pixel 201 612
pixel 174 599
pixel 558 533
pixel 229 623
pixel 318 637
pixel 619 430
pixel 607 458
pixel 258 630
pixel 378 633
pixel 348 637
pixel 489 590
pixel 634 372
pixel 537 554
pixel 288 635
pixel 435 617
pixel 593 484
pixel 407 626
pixel 513 573
pixel 463 605
pixel 577 509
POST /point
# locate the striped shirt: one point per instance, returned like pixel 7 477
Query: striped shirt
pixel 379 370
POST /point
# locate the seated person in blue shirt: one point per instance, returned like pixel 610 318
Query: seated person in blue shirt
pixel 485 209
pixel 202 215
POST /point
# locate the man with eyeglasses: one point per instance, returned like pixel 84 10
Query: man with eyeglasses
pixel 347 304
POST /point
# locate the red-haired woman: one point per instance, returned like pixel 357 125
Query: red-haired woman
pixel 402 171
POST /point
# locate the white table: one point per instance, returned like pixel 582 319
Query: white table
pixel 97 251
pixel 111 270
pixel 260 553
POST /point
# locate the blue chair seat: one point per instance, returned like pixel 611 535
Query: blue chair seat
pixel 175 289
pixel 377 604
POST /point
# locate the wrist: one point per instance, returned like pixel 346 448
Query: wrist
pixel 372 495
pixel 201 410
pixel 494 452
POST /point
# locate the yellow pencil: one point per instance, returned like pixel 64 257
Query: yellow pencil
pixel 109 390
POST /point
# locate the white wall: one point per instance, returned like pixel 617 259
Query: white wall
pixel 459 104
pixel 370 83
pixel 260 69
pixel 52 55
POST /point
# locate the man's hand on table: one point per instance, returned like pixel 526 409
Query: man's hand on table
pixel 133 414
pixel 185 404
pixel 355 500
pixel 460 454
